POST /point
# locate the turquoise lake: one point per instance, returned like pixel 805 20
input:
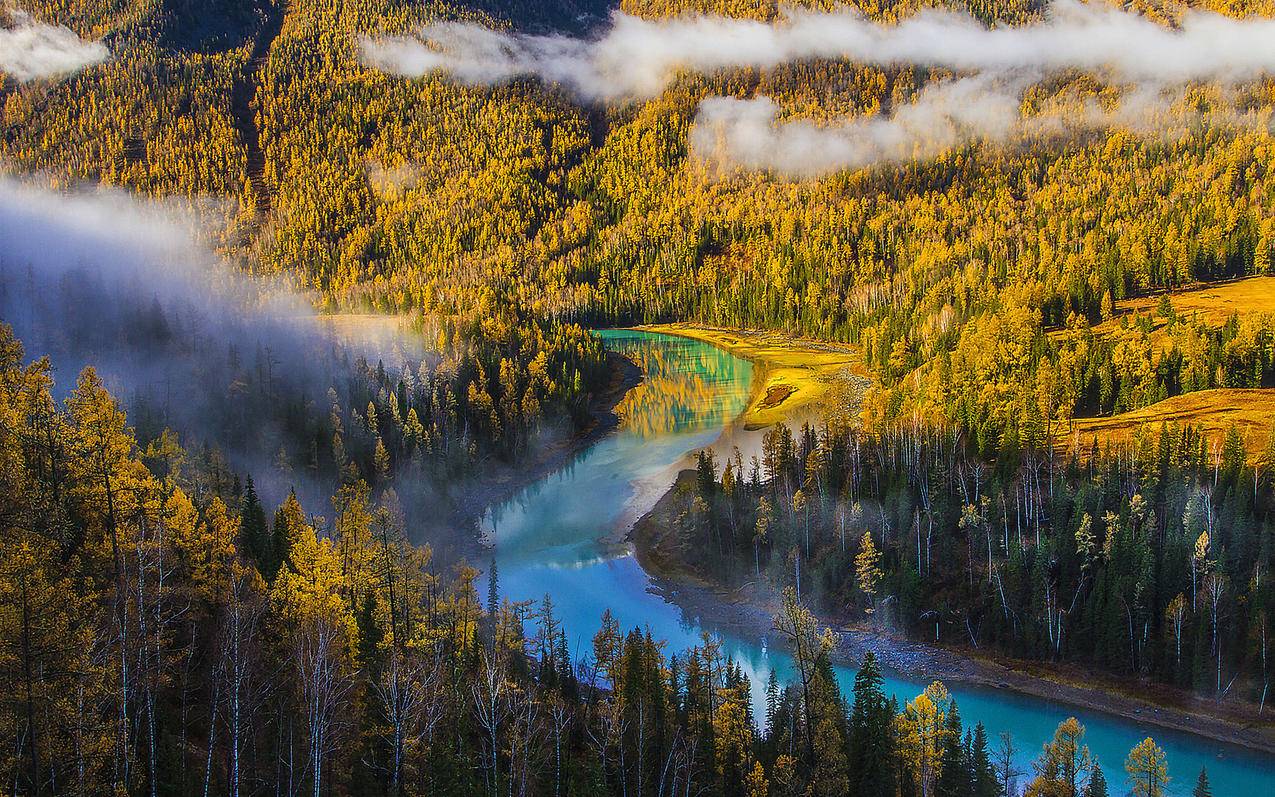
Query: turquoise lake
pixel 564 536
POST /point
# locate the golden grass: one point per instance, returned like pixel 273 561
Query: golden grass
pixel 1213 304
pixel 793 378
pixel 1210 412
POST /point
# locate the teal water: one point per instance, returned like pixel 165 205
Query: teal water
pixel 562 536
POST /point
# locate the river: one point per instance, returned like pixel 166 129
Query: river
pixel 563 536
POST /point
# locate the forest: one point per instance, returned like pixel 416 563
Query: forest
pixel 517 195
pixel 175 621
pixel 1151 560
pixel 160 639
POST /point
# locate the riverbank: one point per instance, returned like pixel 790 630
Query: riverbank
pixel 554 450
pixel 794 379
pixel 745 609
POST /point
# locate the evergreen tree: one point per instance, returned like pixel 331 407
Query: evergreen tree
pixel 288 527
pixel 772 701
pixel 493 600
pixel 954 773
pixel 1097 786
pixel 871 737
pixel 982 772
pixel 1202 788
pixel 253 532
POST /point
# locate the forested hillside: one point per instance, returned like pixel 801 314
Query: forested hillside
pixel 161 634
pixel 1151 561
pixel 391 193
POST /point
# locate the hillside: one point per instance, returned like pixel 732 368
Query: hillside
pixel 968 242
pixel 390 193
pixel 1210 413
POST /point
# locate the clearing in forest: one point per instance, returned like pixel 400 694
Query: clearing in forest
pixel 1210 412
pixel 1213 303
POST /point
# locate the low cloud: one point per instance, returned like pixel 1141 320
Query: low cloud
pixel 638 58
pixel 730 135
pixel 31 50
pixel 183 339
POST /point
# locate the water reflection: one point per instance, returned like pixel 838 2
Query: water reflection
pixel 688 386
pixel 564 536
pixel 578 516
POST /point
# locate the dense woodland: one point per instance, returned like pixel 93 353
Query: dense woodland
pixel 393 194
pixel 1147 560
pixel 434 410
pixel 164 632
pixel 160 639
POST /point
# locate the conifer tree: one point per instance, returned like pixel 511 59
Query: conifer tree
pixel 982 772
pixel 1097 786
pixel 1202 788
pixel 1148 770
pixel 871 739
pixel 954 772
pixel 1064 765
pixel 254 535
pixel 867 566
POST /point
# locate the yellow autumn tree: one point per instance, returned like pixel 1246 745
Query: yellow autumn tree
pixel 921 729
pixel 867 569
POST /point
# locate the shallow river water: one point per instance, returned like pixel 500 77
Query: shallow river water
pixel 564 536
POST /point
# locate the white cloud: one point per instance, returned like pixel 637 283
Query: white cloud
pixel 732 134
pixel 638 58
pixel 31 50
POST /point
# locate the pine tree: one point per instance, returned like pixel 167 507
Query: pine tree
pixel 772 701
pixel 1097 786
pixel 1202 788
pixel 982 772
pixel 871 741
pixel 254 534
pixel 954 772
pixel 493 588
pixel 493 601
pixel 289 526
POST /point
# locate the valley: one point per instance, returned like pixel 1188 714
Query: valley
pixel 555 397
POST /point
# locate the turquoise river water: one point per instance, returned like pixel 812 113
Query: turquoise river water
pixel 564 536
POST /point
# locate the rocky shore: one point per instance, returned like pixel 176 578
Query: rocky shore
pixel 745 609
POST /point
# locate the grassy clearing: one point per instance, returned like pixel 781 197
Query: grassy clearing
pixel 793 378
pixel 1213 304
pixel 1211 412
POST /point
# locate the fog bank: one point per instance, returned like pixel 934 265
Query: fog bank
pixel 637 58
pixel 31 50
pixel 182 339
pixel 732 134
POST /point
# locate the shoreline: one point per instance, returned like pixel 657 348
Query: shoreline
pixel 504 483
pixel 747 609
pixel 793 377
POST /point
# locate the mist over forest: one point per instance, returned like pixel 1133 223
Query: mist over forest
pixel 942 348
pixel 242 369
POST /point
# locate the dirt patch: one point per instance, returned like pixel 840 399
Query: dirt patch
pixel 776 395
